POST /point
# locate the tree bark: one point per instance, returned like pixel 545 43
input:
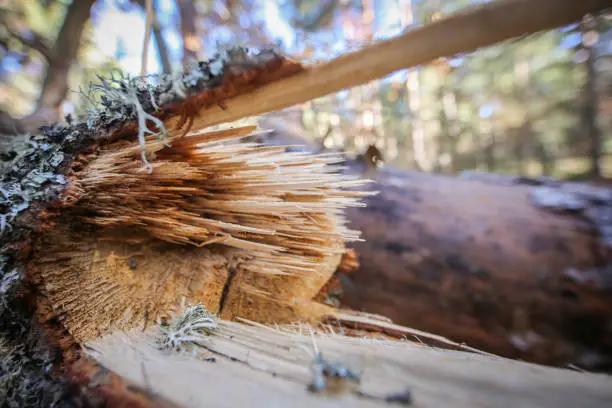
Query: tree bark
pixel 64 53
pixel 483 263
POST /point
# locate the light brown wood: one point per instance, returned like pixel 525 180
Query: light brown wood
pixel 460 33
pixel 248 230
pixel 96 286
pixel 264 367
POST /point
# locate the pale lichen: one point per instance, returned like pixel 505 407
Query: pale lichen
pixel 190 329
pixel 122 98
pixel 123 93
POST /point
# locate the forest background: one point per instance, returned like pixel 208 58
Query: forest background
pixel 537 106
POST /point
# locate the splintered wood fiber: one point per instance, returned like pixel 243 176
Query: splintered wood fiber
pixel 94 286
pixel 249 230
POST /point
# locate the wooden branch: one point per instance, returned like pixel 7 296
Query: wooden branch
pixel 35 42
pixel 156 29
pixel 464 32
pixel 262 367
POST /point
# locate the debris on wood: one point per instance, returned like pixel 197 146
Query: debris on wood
pixel 402 398
pixel 272 369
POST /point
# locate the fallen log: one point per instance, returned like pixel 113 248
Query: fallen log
pixel 516 267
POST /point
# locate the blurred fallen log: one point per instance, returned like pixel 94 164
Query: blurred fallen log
pixel 516 267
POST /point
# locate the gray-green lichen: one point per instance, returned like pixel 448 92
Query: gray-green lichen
pixel 32 179
pixel 188 330
pixel 17 194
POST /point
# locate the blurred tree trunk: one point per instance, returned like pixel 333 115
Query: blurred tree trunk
pixel 414 98
pixel 162 47
pixel 189 34
pixel 449 124
pixel 521 147
pixel 487 140
pixel 371 106
pixel 589 113
pixel 63 56
pixel 160 41
pixel 9 125
pixel 522 72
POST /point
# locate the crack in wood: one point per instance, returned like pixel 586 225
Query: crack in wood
pixel 226 287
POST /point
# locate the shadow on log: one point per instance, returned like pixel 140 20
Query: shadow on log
pixel 480 260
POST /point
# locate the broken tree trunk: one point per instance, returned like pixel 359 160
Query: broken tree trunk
pixel 104 229
pixel 78 209
pixel 520 268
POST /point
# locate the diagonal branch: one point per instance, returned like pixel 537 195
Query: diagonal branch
pixel 153 24
pixel 35 42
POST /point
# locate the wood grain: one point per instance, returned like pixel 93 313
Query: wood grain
pixel 264 367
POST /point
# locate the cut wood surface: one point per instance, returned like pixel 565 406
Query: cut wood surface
pixel 481 263
pixel 265 367
pixel 462 32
